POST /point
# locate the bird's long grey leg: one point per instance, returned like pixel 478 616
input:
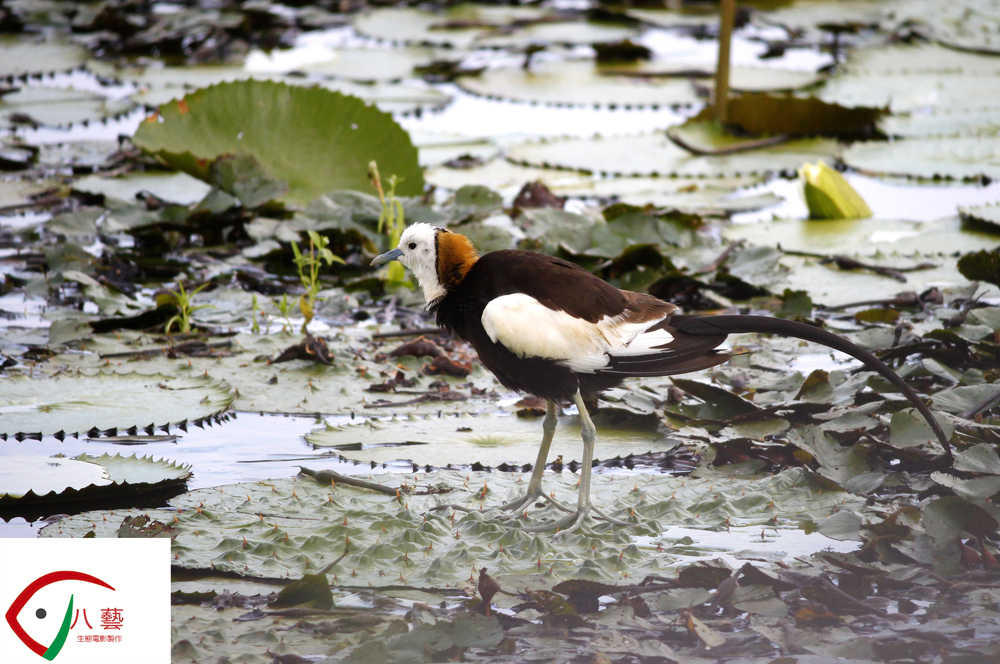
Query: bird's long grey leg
pixel 584 504
pixel 535 483
pixel 534 491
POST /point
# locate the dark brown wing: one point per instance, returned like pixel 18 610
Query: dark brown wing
pixel 558 284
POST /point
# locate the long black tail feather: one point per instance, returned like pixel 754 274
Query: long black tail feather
pixel 715 325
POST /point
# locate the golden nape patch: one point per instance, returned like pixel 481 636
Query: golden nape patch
pixel 455 257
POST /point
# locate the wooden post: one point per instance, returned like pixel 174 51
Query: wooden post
pixel 727 15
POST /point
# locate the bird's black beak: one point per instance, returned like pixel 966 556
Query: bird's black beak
pixel 387 257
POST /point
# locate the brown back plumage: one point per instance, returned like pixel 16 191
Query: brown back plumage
pixel 455 257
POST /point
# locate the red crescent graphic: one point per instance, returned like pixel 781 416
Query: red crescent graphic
pixel 28 593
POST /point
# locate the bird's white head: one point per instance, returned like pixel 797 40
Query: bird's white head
pixel 438 258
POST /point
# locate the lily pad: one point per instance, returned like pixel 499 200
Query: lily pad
pixel 987 214
pixel 561 33
pixel 964 158
pixel 918 92
pixel 19 57
pixel 577 84
pixel 78 403
pixel 371 65
pixel 313 139
pixel 741 78
pixel 57 106
pixel 307 523
pixel 655 154
pixel 968 26
pixel 27 481
pixel 976 122
pixel 458 27
pixel 467 439
pixel 919 58
pixel 179 188
pixel 866 237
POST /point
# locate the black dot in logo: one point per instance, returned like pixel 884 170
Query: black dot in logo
pixel 40 613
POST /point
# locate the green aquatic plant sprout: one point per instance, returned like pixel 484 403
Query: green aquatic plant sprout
pixel 309 265
pixel 255 327
pixel 392 219
pixel 285 309
pixel 185 308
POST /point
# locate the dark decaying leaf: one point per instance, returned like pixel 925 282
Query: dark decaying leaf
pixel 419 347
pixel 310 349
pixel 981 266
pixel 143 526
pixel 765 113
pixel 720 404
pixel 445 365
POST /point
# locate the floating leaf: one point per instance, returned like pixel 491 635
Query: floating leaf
pixel 487 439
pixel 655 154
pixel 394 538
pixel 964 158
pixel 458 27
pixel 842 526
pixel 981 266
pixel 577 84
pixel 987 214
pixel 56 107
pixel 763 113
pixel 980 458
pixel 829 196
pixel 313 139
pixel 29 481
pixel 371 65
pixel 19 57
pixel 79 403
pixel 179 188
pixel 977 487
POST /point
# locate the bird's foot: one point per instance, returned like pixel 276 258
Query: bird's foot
pixel 514 507
pixel 574 520
pixel 522 502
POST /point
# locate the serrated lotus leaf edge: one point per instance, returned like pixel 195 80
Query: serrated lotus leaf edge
pixel 221 415
pixel 97 491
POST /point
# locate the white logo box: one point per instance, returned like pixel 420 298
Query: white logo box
pixel 127 625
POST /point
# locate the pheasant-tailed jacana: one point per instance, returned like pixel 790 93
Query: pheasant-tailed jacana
pixel 552 329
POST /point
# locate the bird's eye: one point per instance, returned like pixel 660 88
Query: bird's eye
pixel 413 245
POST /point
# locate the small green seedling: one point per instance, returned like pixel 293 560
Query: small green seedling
pixel 285 309
pixel 391 219
pixel 183 300
pixel 309 265
pixel 255 328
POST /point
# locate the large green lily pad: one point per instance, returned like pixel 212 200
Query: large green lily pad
pixel 287 527
pixel 655 154
pixel 74 403
pixel 31 480
pixel 467 439
pixel 313 139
